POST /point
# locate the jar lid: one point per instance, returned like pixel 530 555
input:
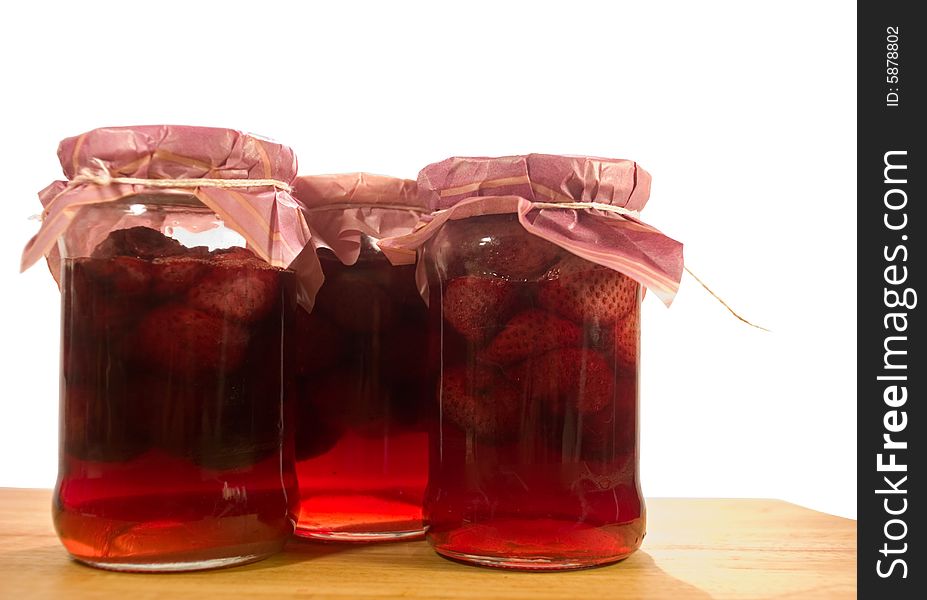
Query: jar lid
pixel 177 152
pixel 537 178
pixel 345 209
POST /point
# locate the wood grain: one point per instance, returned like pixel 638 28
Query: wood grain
pixel 706 548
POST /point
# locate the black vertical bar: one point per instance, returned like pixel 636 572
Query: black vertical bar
pixel 891 367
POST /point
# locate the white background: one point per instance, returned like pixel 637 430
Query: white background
pixel 744 113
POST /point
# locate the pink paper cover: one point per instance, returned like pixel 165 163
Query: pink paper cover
pixel 341 208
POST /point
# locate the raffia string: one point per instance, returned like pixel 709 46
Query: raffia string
pixel 347 205
pixel 636 215
pixel 620 210
pixel 101 176
pixel 723 303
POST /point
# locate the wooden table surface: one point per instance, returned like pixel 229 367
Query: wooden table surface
pixel 706 548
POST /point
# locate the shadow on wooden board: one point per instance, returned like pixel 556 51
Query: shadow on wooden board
pixel 41 569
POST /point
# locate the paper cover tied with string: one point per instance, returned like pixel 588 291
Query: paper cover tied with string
pixel 343 209
pixel 587 206
pixel 243 179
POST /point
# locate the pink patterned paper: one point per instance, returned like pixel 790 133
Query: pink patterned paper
pixel 458 188
pixel 266 216
pixel 341 208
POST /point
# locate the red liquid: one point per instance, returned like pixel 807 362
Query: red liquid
pixel 160 512
pixel 534 452
pixel 348 498
pixel 173 455
pixel 363 392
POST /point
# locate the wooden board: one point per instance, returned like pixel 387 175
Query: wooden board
pixel 707 548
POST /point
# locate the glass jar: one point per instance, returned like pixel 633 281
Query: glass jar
pixel 538 401
pixel 172 451
pixel 176 445
pixel 360 365
pixel 534 267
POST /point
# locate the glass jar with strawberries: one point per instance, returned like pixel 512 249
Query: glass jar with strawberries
pixel 534 302
pixel 176 448
pixel 359 362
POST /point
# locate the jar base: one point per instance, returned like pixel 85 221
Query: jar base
pixel 528 564
pixel 359 536
pixel 173 567
pixel 537 544
pixel 356 517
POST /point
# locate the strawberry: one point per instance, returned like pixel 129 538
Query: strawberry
pixel 219 422
pixel 612 430
pixel 235 255
pixel 403 350
pixel 354 398
pixel 628 340
pixel 125 261
pixel 410 404
pixel 531 332
pixel 317 426
pixel 124 275
pixel 138 242
pixel 183 340
pixel 399 360
pixel 355 302
pixel 242 290
pixel 101 422
pixel 400 285
pixel 474 305
pixel 620 340
pixel 94 326
pixel 497 246
pixel 582 291
pixel 313 343
pixel 626 345
pixel 240 424
pixel 91 307
pixel 174 275
pixel 567 380
pixel 479 400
